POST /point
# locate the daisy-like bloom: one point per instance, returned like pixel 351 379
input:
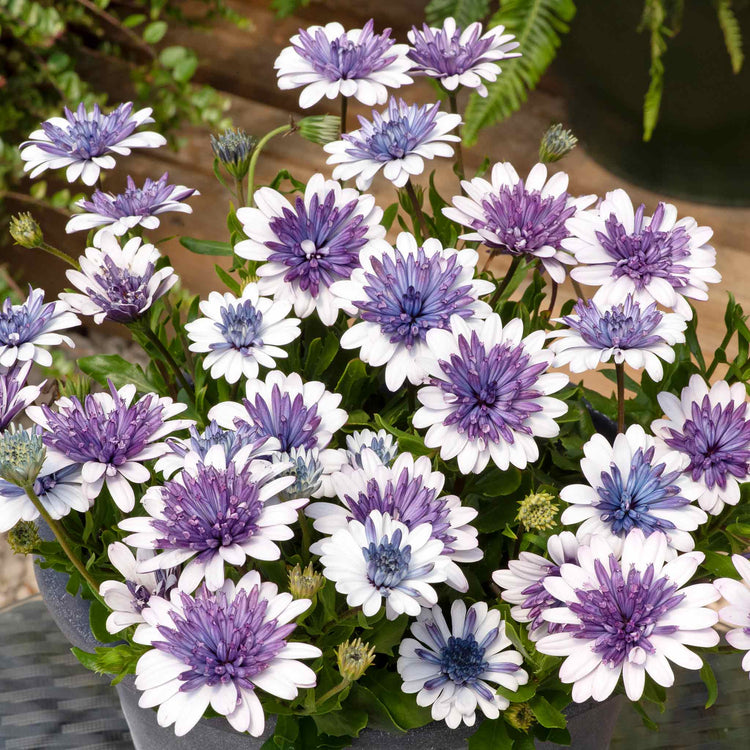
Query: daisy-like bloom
pixel 628 617
pixel 636 483
pixel 128 599
pixel 737 612
pixel 397 140
pixel 118 283
pixel 27 328
pixel 381 443
pixel 15 395
pixel 514 217
pixel 523 583
pixel 240 335
pixel 402 293
pixel 135 207
pixel 84 142
pixel 638 336
pixel 460 57
pixel 110 437
pixel 449 667
pixel 655 258
pixel 712 428
pixel 409 492
pixel 216 649
pixel 215 511
pixel 384 559
pixel 307 246
pixel 488 394
pixel 328 61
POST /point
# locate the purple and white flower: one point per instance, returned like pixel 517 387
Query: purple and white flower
pixel 737 612
pixel 306 247
pixel 638 336
pixel 460 57
pixel 712 428
pixel 523 581
pixel 110 437
pixel 329 61
pixel 127 599
pixel 628 617
pixel 402 293
pixel 15 395
pixel 27 328
pixel 83 142
pixel 118 283
pixel 381 443
pixel 217 649
pixel 384 559
pixel 307 470
pixel 240 335
pixel 514 217
pixel 636 483
pixel 214 511
pixel 397 141
pixel 449 667
pixel 655 258
pixel 135 207
pixel 488 394
pixel 409 492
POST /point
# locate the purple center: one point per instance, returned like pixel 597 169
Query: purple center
pixel 223 642
pixel 123 294
pixel 436 52
pixel 717 440
pixel 410 295
pixel 491 393
pixel 622 614
pixel 647 253
pixel 22 323
pixel 232 441
pixel 319 244
pixel 142 594
pixel 240 327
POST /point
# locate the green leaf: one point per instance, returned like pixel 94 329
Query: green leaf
pixel 402 709
pixel 206 247
pixel 88 660
pixel 389 215
pixel 185 69
pixel 387 634
pixel 232 284
pixel 491 735
pixel 346 721
pixel 406 441
pixel 546 714
pixel 98 614
pixel 155 32
pixel 136 19
pixel 170 56
pixel 719 565
pixel 709 680
pixel 464 11
pixel 286 731
pixel 102 367
pixel 319 356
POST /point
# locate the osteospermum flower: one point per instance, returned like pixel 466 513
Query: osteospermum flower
pixel 638 336
pixel 110 437
pixel 127 599
pixel 517 217
pixel 656 258
pixel 712 428
pixel 27 328
pixel 633 484
pixel 628 617
pixel 15 395
pixel 118 283
pixel 460 57
pixel 84 142
pixel 215 511
pixel 217 649
pixel 307 246
pixel 737 612
pixel 381 443
pixel 409 492
pixel 328 61
pixel 402 293
pixel 523 581
pixel 306 468
pixel 135 207
pixel 384 559
pixel 449 667
pixel 240 335
pixel 397 141
pixel 488 394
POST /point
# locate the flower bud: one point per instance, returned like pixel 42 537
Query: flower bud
pixel 537 512
pixel 233 148
pixel 304 584
pixel 556 143
pixel 24 538
pixel 320 129
pixel 354 657
pixel 520 716
pixel 305 467
pixel 22 455
pixel 25 230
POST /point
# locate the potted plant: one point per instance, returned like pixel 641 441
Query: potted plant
pixel 354 499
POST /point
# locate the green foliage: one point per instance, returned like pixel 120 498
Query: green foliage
pixel 464 11
pixel 730 28
pixel 284 8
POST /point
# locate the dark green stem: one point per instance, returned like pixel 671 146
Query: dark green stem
pixel 620 369
pixel 459 151
pixel 577 288
pixel 504 283
pixel 553 298
pixel 256 153
pixel 417 209
pixel 59 254
pixel 715 362
pixel 239 186
pixel 344 108
pixel 181 335
pixel 156 341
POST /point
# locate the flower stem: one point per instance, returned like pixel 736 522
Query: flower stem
pixel 344 108
pixel 552 298
pixel 52 250
pixel 577 288
pixel 459 151
pixel 722 346
pixel 620 369
pixel 256 153
pixel 333 691
pixel 504 283
pixel 417 209
pixel 240 190
pixel 156 341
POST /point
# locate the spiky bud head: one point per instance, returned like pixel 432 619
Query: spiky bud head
pixel 354 658
pixel 25 230
pixel 556 143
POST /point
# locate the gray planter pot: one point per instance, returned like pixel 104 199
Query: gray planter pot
pixel 590 724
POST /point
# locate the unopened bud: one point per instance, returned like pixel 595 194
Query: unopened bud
pixel 556 143
pixel 233 148
pixel 520 716
pixel 25 230
pixel 304 584
pixel 22 455
pixel 320 129
pixel 354 658
pixel 23 538
pixel 537 511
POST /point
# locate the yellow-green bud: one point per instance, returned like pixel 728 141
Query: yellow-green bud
pixel 23 538
pixel 537 511
pixel 520 716
pixel 353 658
pixel 304 584
pixel 556 143
pixel 22 455
pixel 320 129
pixel 25 230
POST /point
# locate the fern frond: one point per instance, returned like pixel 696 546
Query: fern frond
pixel 538 26
pixel 464 11
pixel 730 27
pixel 653 20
